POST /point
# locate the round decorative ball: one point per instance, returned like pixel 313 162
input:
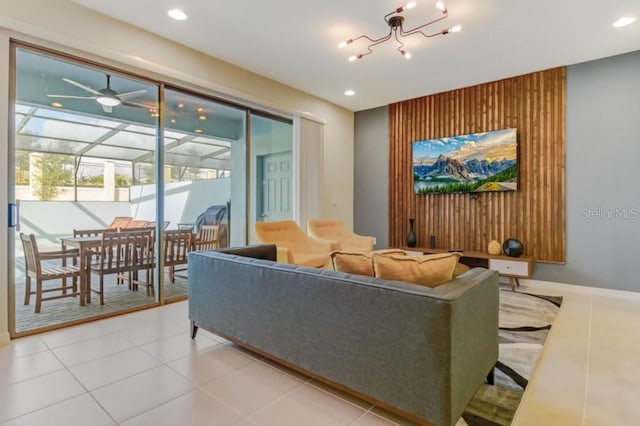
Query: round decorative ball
pixel 512 247
pixel 494 247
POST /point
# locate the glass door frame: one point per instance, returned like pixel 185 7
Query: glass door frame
pixel 14 45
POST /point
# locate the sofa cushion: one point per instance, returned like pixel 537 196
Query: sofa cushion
pixel 359 263
pixel 429 270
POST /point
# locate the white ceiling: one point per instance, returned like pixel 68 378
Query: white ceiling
pixel 295 41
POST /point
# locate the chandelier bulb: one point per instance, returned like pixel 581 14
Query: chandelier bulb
pixel 344 44
pixel 353 58
pixel 406 54
pixel 456 28
pixel 411 5
pixel 440 5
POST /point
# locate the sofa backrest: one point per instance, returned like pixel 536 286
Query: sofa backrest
pixel 258 251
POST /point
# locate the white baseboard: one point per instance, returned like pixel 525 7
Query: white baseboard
pixel 4 339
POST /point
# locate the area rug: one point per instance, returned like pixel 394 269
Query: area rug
pixel 524 321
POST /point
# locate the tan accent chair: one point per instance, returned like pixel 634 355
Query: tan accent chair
pixel 294 246
pixel 334 230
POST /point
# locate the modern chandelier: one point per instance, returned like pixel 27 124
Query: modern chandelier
pixel 395 20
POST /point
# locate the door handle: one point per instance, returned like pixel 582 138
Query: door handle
pixel 14 215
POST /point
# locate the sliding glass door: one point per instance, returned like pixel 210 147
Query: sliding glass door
pixel 204 178
pixel 83 145
pixel 90 151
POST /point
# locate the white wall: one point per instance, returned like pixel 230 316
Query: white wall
pixel 183 201
pixel 66 26
pixel 43 218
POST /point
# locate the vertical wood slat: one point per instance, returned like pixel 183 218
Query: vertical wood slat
pixel 534 104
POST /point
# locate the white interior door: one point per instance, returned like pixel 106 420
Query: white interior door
pixel 276 189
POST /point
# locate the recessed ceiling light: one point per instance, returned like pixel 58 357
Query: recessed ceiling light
pixel 56 104
pixel 624 21
pixel 177 14
pixel 180 105
pixel 173 120
pixel 200 109
pixel 198 130
pixel 349 93
pixel 202 117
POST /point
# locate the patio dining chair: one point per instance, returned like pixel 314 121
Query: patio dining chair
pixel 125 254
pixel 39 267
pixel 207 239
pixel 120 221
pixel 177 244
pixel 136 223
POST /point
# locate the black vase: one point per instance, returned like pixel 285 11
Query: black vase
pixel 411 236
pixel 512 247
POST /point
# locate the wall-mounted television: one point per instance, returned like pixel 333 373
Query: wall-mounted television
pixel 479 162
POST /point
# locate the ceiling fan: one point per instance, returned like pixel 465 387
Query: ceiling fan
pixel 107 97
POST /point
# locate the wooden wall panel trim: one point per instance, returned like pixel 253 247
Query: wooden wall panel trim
pixel 534 104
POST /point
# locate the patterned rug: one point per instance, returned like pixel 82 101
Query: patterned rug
pixel 525 321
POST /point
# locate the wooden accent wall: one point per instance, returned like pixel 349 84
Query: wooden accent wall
pixel 535 214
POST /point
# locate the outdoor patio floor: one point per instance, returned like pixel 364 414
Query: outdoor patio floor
pixel 58 311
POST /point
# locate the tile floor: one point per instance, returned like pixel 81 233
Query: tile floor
pixel 143 369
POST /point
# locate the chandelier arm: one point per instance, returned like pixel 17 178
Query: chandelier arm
pixel 386 17
pixel 417 29
pixel 401 47
pixel 427 35
pixel 375 43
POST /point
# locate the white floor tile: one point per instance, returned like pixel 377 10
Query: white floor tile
pixel 89 350
pixel 148 332
pixel 178 346
pixel 371 419
pixel 205 366
pixel 76 334
pixel 110 369
pixel 134 395
pixel 252 388
pixel 79 411
pixel 21 347
pixel 29 366
pixel 195 408
pixel 30 395
pixel 309 406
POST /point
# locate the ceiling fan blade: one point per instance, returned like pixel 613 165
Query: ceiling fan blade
pixel 138 105
pixel 106 108
pixel 82 86
pixel 71 97
pixel 131 94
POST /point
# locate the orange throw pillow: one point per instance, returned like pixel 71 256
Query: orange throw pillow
pixel 359 263
pixel 429 270
pixel 352 263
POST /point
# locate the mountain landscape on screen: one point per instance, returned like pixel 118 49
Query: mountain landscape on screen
pixel 478 162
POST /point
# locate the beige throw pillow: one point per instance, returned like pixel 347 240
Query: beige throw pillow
pixel 359 263
pixel 429 270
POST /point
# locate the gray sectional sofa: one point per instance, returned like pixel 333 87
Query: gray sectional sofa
pixel 421 352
